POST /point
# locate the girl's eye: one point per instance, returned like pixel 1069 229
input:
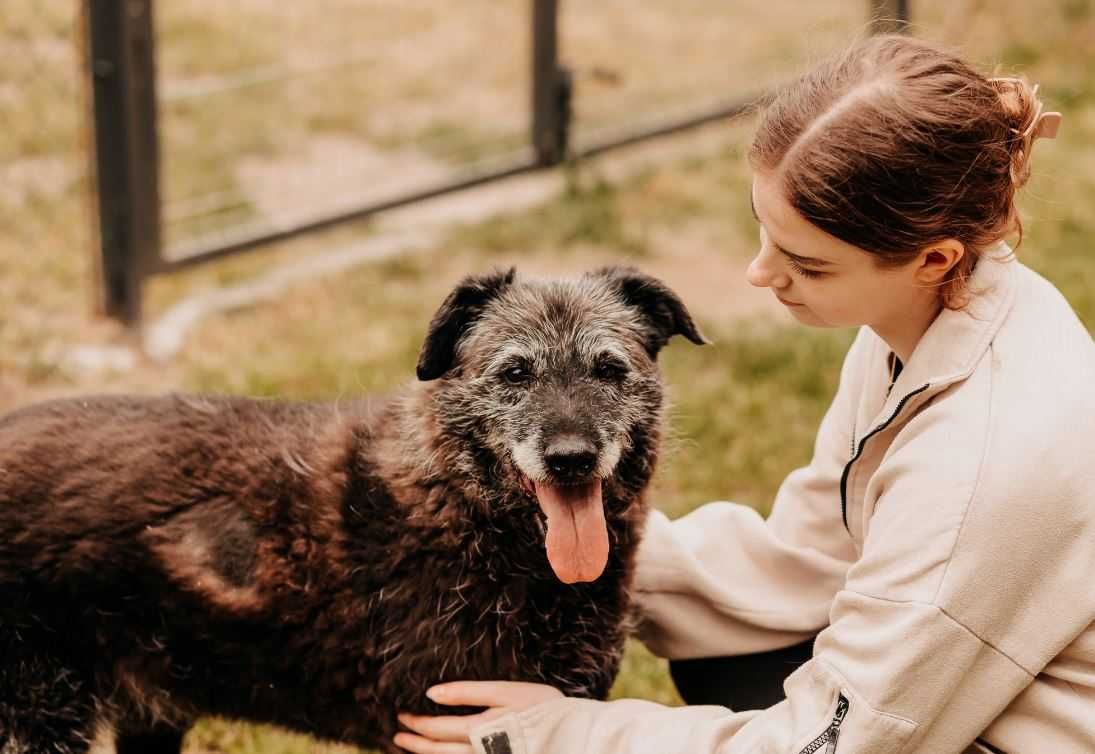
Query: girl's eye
pixel 518 374
pixel 800 270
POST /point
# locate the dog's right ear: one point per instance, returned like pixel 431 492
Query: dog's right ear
pixel 458 311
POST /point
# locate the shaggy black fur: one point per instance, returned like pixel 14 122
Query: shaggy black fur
pixel 313 566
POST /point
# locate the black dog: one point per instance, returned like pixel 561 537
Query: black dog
pixel 320 566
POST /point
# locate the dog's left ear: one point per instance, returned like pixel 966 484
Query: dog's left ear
pixel 458 311
pixel 663 309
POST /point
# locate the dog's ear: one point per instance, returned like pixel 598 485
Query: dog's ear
pixel 458 311
pixel 664 311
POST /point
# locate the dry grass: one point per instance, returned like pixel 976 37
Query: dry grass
pixel 423 97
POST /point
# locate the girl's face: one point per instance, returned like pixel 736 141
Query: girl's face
pixel 822 280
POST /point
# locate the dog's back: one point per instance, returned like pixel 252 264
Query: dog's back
pixel 76 474
pixel 130 535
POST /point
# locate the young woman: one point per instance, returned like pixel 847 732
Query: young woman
pixel 942 540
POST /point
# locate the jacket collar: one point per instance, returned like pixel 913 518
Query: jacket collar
pixel 955 342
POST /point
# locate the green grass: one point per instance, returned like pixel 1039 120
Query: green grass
pixel 455 142
pixel 743 410
pixel 587 213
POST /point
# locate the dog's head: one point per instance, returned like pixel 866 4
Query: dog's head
pixel 553 386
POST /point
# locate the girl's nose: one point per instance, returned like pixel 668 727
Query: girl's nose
pixel 765 271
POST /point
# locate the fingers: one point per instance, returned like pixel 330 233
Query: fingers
pixel 420 745
pixel 452 728
pixel 450 734
pixel 492 693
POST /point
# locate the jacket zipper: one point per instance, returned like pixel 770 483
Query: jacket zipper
pixel 832 733
pixel 862 445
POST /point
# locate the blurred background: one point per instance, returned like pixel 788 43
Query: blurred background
pixel 273 120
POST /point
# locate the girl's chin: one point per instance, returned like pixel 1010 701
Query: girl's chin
pixel 800 312
pixel 807 317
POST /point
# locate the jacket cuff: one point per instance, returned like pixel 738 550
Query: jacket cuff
pixel 505 734
pixel 651 563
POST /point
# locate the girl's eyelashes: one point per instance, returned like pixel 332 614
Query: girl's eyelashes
pixel 800 270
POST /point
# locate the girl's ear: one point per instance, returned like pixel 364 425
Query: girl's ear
pixel 938 259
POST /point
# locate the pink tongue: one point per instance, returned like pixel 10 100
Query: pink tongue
pixel 577 537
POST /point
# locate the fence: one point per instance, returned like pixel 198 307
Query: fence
pixel 144 233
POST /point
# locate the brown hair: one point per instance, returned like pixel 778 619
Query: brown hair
pixel 897 143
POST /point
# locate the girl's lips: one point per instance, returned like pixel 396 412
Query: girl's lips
pixel 786 302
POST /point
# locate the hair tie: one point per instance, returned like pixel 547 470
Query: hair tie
pixel 1042 125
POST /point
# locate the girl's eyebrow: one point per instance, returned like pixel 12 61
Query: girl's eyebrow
pixel 810 261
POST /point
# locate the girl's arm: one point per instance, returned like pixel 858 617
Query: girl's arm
pixel 722 580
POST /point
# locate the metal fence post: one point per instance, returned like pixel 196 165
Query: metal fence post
pixel 551 87
pixel 889 16
pixel 120 59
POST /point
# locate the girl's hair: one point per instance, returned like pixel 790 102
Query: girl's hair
pixel 897 143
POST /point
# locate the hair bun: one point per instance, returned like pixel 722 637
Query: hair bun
pixel 1026 122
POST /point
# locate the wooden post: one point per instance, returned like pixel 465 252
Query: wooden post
pixel 120 59
pixel 551 87
pixel 889 16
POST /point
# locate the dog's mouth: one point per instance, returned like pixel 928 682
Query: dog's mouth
pixel 574 528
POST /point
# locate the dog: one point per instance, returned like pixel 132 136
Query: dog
pixel 319 566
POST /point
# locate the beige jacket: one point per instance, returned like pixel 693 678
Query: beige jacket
pixel 945 534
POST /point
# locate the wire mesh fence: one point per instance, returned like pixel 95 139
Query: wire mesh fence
pixel 264 116
pixel 41 154
pixel 40 147
pixel 43 172
pixel 272 113
pixel 641 63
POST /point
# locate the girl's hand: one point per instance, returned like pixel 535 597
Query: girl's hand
pixel 451 735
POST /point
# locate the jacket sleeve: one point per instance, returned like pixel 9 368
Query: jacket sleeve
pixel 722 580
pixel 817 713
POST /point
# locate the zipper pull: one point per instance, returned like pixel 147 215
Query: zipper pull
pixel 842 705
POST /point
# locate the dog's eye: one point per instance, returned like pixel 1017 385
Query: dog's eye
pixel 610 369
pixel 518 374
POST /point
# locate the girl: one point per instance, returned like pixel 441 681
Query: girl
pixel 942 540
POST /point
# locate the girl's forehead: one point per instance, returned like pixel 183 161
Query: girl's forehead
pixel 794 235
pixel 776 214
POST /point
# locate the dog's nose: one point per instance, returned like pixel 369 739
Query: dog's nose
pixel 571 458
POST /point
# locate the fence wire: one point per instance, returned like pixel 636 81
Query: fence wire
pixel 46 225
pixel 274 113
pixel 645 62
pixel 43 162
pixel 271 114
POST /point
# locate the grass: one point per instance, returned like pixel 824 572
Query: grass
pixel 744 410
pixel 588 212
